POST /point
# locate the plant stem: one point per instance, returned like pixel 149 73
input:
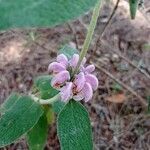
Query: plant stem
pixel 89 35
pixel 45 102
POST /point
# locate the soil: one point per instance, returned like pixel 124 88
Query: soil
pixel 119 121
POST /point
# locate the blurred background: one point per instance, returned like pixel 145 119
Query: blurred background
pixel 122 60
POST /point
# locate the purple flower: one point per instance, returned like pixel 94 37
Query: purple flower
pixel 56 67
pixel 59 79
pixel 92 80
pixel 81 86
pixel 84 86
pixel 86 93
pixel 62 59
pixel 74 60
pixel 79 81
pixel 66 92
pixel 88 69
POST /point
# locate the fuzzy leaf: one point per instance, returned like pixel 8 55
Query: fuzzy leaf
pixel 42 83
pixel 19 119
pixel 74 129
pixel 9 102
pixel 40 13
pixel 68 51
pixel 47 91
pixel 37 136
pixel 58 106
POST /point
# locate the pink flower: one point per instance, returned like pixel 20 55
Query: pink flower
pixel 62 59
pixel 92 80
pixel 56 67
pixel 79 81
pixel 59 79
pixel 84 86
pixel 85 94
pixel 81 86
pixel 88 69
pixel 74 60
pixel 66 92
pixel 60 65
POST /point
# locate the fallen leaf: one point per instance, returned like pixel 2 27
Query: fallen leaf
pixel 116 98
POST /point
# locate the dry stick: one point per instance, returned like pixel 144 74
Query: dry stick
pixel 105 27
pixel 132 64
pixel 123 85
pixel 128 61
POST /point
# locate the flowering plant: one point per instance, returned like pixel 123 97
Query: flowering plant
pixel 77 87
pixel 70 81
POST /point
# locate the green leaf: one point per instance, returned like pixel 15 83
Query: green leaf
pixel 146 46
pixel 42 83
pixel 68 51
pixel 38 135
pixel 116 87
pixel 133 8
pixel 58 106
pixel 49 113
pixel 21 117
pixel 9 102
pixel 40 13
pixel 74 129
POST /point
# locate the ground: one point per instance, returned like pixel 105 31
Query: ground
pixel 122 59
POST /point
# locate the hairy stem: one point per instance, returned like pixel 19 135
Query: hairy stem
pixel 89 34
pixel 45 102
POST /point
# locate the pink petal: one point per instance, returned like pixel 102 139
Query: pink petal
pixel 60 78
pixel 79 81
pixel 74 60
pixel 89 69
pixel 87 92
pixel 78 97
pixel 56 67
pixel 92 80
pixel 62 59
pixel 66 92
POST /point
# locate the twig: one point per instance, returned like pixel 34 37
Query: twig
pixel 127 60
pixel 123 85
pixel 83 24
pixel 132 64
pixel 103 31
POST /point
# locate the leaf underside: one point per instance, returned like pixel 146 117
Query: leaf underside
pixel 40 13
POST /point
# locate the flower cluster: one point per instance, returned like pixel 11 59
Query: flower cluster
pixel 80 86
